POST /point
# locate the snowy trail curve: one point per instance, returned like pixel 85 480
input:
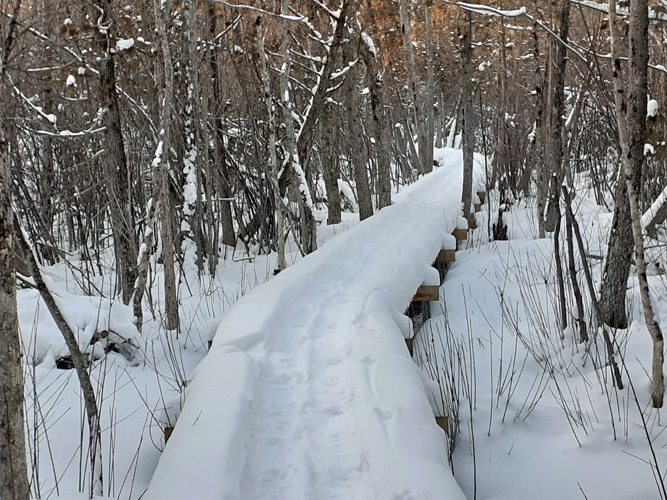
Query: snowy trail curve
pixel 308 391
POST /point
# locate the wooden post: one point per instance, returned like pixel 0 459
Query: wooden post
pixel 478 207
pixel 460 234
pixel 443 422
pixel 167 433
pixel 410 345
pixel 481 195
pixel 427 293
pixel 446 256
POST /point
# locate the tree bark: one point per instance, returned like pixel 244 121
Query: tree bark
pixel 468 124
pixel 161 166
pixel 118 173
pixel 556 102
pixel 14 483
pixel 355 130
pixel 226 219
pixel 429 92
pixel 307 131
pixel 13 469
pixel 617 262
pixel 417 115
pixel 331 172
pixel 631 117
pixel 273 157
pixel 292 160
pixel 380 124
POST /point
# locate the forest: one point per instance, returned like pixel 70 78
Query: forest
pixel 147 146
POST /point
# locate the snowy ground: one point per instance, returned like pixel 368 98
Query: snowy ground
pixel 539 416
pixel 309 392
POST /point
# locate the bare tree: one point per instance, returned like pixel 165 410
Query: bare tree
pixel 468 98
pixel 118 172
pixel 630 98
pixel 80 365
pixel 161 165
pixel 13 469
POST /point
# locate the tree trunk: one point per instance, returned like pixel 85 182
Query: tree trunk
pixel 297 175
pixel 273 157
pixel 226 219
pixel 330 172
pixel 193 215
pixel 316 108
pixel 631 118
pixel 572 268
pixel 80 366
pixel 118 175
pixel 161 166
pixel 13 470
pixel 429 91
pixel 556 102
pixel 468 123
pixel 617 262
pixel 355 130
pixel 417 115
pixel 380 124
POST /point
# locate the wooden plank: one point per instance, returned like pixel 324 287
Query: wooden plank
pixel 446 256
pixel 443 422
pixel 409 344
pixel 478 207
pixel 427 293
pixel 167 433
pixel 481 195
pixel 460 234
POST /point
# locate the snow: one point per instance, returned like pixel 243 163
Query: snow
pixel 71 81
pixel 365 37
pixel 308 391
pixel 652 108
pixel 654 208
pixel 483 9
pixel 124 44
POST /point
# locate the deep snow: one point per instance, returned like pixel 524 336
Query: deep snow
pixel 309 391
pixel 367 430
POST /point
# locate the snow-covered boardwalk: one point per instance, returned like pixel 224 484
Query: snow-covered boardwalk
pixel 308 391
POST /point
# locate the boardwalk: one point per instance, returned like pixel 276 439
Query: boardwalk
pixel 308 391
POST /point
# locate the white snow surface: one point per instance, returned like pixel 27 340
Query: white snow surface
pixel 309 391
pixel 124 44
pixel 652 108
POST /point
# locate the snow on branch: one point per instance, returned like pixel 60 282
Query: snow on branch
pixel 655 214
pixel 51 118
pixel 491 11
pixel 620 11
pixel 332 14
pixel 521 12
pixel 257 9
pixel 231 27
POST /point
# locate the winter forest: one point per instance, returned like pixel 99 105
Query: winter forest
pixel 319 249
